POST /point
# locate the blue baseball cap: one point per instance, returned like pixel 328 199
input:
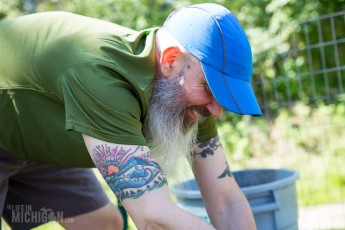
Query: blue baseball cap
pixel 212 34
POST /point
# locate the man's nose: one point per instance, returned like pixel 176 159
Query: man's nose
pixel 214 108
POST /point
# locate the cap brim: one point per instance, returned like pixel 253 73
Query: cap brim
pixel 232 93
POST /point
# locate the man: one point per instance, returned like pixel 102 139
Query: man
pixel 72 85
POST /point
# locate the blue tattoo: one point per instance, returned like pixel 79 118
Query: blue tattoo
pixel 129 173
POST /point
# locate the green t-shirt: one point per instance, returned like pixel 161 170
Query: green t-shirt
pixel 61 72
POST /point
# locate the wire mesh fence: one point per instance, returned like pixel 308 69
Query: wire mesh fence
pixel 312 69
pixel 301 93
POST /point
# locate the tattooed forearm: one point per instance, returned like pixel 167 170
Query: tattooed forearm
pixel 226 172
pixel 129 172
pixel 206 148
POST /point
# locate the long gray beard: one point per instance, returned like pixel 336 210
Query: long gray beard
pixel 170 133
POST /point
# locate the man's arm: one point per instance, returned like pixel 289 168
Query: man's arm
pixel 225 203
pixel 138 181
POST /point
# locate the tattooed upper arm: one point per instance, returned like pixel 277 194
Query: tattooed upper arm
pixel 207 150
pixel 226 173
pixel 129 170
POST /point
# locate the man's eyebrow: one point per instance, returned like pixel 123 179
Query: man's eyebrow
pixel 207 87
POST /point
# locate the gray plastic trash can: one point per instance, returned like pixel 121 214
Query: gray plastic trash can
pixel 271 194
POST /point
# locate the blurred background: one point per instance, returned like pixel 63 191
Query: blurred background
pixel 299 79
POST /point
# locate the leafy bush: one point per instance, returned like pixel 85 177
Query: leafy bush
pixel 303 138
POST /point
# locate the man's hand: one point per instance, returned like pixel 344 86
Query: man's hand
pixel 138 181
pixel 225 203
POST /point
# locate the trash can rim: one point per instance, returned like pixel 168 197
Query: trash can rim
pixel 195 194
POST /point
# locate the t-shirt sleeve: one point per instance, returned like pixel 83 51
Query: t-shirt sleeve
pixel 101 103
pixel 207 129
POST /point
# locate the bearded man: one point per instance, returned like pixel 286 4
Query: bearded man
pixel 77 92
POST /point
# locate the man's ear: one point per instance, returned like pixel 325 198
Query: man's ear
pixel 168 57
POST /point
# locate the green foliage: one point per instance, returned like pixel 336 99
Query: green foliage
pixel 303 138
pixel 131 13
pixel 301 127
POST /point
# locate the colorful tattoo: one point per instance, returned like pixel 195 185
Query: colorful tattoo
pixel 207 148
pixel 226 172
pixel 128 172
